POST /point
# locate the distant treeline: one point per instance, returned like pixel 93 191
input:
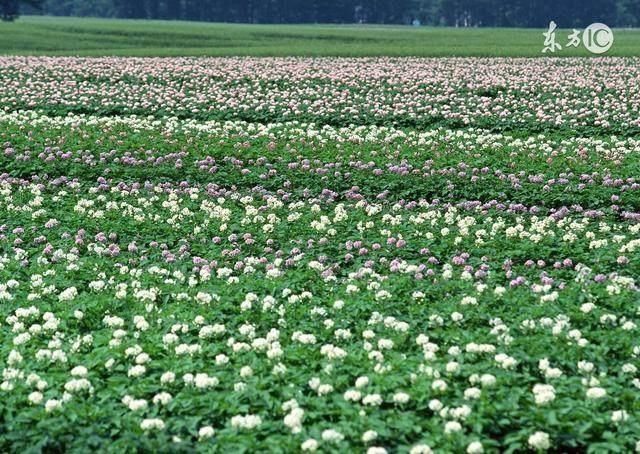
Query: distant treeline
pixel 457 13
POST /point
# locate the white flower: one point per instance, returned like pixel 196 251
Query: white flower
pixel 487 380
pixel 505 361
pixel 205 432
pixel 324 389
pixel 435 405
pixel 167 377
pixel 596 393
pixel 472 393
pixel 587 307
pixel 439 385
pixel 452 426
pixel 202 381
pixel 385 344
pixel 331 435
pixel 543 394
pixel 629 368
pixel 79 371
pixel 372 399
pixel 452 367
pixel 552 372
pixel 14 357
pixel 369 435
pixel 401 398
pixel 77 385
pixel 294 420
pixel 68 294
pixel 162 398
pixel 499 291
pixel 619 416
pixel 421 449
pixel 376 450
pixel 539 440
pixel 309 445
pixel 221 359
pixel 332 352
pixel 52 404
pixel 35 397
pixel 21 339
pixel 142 358
pixel 314 383
pixel 352 395
pixel 152 424
pixel 246 421
pixel 113 321
pixel 585 366
pixel 469 300
pixel 136 371
pixel 134 404
pixel 475 447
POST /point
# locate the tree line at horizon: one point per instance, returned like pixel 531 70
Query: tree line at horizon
pixel 456 13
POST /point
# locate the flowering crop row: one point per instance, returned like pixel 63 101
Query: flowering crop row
pixel 537 94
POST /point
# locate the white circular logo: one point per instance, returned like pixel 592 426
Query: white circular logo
pixel 597 38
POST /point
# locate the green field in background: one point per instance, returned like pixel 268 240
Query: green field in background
pixel 33 35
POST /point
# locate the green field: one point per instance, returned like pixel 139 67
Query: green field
pixel 93 37
pixel 316 255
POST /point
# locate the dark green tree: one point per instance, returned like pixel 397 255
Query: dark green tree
pixel 10 9
pixel 455 13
